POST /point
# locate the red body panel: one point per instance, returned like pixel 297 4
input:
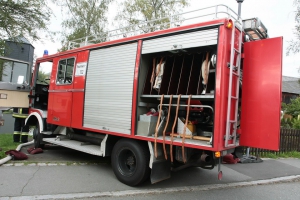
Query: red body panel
pixel 135 87
pixel 60 97
pixel 261 96
pixel 78 93
pixel 222 83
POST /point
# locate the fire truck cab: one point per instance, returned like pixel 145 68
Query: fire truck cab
pixel 164 100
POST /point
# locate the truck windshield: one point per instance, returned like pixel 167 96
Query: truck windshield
pixel 44 72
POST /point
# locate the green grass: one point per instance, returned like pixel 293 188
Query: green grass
pixel 6 143
pixel 292 154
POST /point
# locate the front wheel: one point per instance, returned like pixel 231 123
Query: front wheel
pixel 38 137
pixel 130 161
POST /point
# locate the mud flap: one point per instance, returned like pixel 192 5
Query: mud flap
pixel 160 171
pixel 160 167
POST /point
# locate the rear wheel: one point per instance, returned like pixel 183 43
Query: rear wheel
pixel 38 137
pixel 130 161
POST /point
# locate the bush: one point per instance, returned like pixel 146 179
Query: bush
pixel 296 124
pixel 286 123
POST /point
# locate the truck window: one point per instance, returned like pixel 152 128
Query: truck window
pixel 65 71
pixel 14 72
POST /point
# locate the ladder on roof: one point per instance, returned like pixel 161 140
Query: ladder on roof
pixel 233 89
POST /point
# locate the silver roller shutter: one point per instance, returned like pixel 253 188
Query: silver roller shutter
pixel 181 41
pixel 109 88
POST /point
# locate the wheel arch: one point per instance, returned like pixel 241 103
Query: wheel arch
pixel 33 119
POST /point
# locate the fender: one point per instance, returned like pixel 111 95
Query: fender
pixel 39 119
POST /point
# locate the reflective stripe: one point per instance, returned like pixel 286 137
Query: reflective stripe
pixel 20 116
pixel 25 133
pixel 17 132
pixel 20 111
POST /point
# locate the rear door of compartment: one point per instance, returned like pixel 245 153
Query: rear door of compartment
pixel 261 94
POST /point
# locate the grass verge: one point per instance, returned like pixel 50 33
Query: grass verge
pixel 6 143
pixel 291 154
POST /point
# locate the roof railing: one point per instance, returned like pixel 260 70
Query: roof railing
pixel 185 18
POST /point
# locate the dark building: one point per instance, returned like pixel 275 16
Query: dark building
pixel 18 50
pixel 290 88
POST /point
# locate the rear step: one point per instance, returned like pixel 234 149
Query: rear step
pixel 76 145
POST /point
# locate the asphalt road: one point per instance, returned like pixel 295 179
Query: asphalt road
pixel 61 173
pixel 286 191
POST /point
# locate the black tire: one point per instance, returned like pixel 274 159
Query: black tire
pixel 38 137
pixel 130 161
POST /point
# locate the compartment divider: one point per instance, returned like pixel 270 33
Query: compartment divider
pixel 185 74
pixel 200 85
pixel 195 74
pixel 147 84
pixel 175 75
pixel 166 76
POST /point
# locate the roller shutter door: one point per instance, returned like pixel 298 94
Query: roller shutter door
pixel 181 41
pixel 109 88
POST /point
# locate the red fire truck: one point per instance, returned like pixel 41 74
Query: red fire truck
pixel 166 99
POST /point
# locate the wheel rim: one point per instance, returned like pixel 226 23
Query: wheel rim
pixel 126 162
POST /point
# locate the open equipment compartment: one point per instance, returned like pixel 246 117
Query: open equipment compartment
pixel 181 74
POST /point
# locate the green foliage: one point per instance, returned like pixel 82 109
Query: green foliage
pixel 296 123
pixel 286 123
pixel 84 18
pixel 43 78
pixel 293 108
pixel 6 143
pixel 25 18
pixel 292 154
pixel 133 12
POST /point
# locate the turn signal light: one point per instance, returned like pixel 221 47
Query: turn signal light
pixel 229 24
pixel 217 154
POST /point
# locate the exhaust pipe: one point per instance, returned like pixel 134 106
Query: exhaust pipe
pixel 240 7
pixel 205 158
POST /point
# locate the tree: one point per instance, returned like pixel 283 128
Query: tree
pixel 25 18
pixel 294 46
pixel 84 18
pixel 133 12
pixel 21 18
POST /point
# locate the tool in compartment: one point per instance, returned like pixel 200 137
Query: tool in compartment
pixel 205 72
pixel 173 127
pixel 153 72
pixel 167 123
pixel 184 129
pixel 159 71
pixel 157 125
pixel 193 137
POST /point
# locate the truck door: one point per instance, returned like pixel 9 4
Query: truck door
pixel 261 94
pixel 61 90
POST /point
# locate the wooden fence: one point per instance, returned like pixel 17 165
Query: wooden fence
pixel 289 141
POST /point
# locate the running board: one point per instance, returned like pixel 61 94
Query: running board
pixel 76 145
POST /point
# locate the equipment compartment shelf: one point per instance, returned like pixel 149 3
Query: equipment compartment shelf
pixel 206 96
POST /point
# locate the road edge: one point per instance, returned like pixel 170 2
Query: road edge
pixel 124 193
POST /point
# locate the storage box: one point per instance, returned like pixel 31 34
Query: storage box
pixel 180 126
pixel 146 128
pixel 148 118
